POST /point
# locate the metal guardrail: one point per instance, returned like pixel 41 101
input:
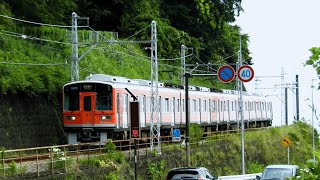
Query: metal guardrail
pixel 240 177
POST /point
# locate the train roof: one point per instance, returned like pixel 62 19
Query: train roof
pixel 119 82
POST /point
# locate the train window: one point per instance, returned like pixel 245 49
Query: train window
pixel 160 104
pixel 183 106
pixel 194 103
pixel 218 105
pixel 71 98
pixel 232 109
pixel 144 104
pixel 236 105
pixel 118 103
pixel 125 103
pixel 246 106
pixel 173 105
pixel 87 103
pixel 166 105
pixel 228 106
pixel 103 97
pixel 205 105
pixel 213 106
pixel 178 105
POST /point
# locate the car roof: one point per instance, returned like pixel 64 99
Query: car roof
pixel 188 168
pixel 282 166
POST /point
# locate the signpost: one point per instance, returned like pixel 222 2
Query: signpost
pixel 226 73
pixel 245 73
pixel 176 135
pixel 285 143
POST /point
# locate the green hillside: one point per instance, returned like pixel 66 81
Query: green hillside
pixel 35 57
pixel 220 154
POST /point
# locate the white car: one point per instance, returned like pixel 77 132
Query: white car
pixel 279 172
pixel 190 173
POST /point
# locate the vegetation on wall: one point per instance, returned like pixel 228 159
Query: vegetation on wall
pixel 36 59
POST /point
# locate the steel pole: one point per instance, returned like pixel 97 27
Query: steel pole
pixel 313 141
pixel 187 117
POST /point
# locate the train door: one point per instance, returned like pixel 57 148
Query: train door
pixel 87 107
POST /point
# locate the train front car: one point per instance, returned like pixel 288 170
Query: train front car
pixel 88 111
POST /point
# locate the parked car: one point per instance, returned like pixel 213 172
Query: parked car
pixel 279 172
pixel 190 173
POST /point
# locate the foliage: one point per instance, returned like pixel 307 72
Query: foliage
pixel 60 160
pixel 314 59
pixel 13 169
pixel 312 170
pixel 196 133
pixel 156 170
pixel 212 41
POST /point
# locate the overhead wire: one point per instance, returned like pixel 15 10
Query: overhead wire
pixel 35 64
pixel 37 23
pixel 23 36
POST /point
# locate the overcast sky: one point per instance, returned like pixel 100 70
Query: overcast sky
pixel 281 34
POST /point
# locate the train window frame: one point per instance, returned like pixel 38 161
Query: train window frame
pixel 228 105
pixel 125 102
pixel 246 106
pixel 173 109
pixel 183 106
pixel 144 103
pixel 213 106
pixel 71 94
pixel 87 103
pixel 166 105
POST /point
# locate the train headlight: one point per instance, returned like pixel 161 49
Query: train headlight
pixel 105 118
pixel 72 118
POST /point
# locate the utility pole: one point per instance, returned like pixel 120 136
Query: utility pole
pixel 282 86
pixel 286 105
pixel 241 110
pixel 74 55
pixel 187 75
pixel 155 119
pixel 297 96
pixel 183 63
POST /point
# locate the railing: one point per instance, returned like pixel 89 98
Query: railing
pixel 43 159
pixel 240 177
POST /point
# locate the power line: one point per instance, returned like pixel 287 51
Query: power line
pixel 137 32
pixel 23 36
pixel 34 64
pixel 37 23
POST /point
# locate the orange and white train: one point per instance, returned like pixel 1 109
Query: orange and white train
pixel 97 109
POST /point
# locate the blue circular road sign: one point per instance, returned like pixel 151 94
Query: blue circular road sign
pixel 226 73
